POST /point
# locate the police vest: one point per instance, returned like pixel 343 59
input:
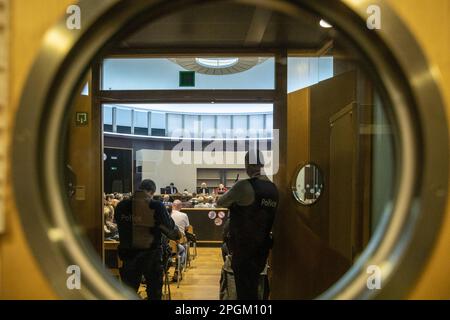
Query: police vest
pixel 250 225
pixel 143 221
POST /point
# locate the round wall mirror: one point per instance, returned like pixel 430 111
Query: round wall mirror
pixel 308 184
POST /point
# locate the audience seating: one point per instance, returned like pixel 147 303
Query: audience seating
pixel 191 243
pixel 174 248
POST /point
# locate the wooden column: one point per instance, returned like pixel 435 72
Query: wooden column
pixel 278 257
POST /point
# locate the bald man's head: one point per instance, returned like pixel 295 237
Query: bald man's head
pixel 176 205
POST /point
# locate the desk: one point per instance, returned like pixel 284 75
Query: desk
pixel 112 261
pixel 208 224
pixel 111 244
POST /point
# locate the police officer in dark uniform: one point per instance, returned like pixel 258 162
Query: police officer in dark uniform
pixel 141 222
pixel 253 204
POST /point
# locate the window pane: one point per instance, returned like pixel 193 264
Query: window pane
pixel 240 126
pixel 307 71
pixel 256 125
pixel 208 126
pixel 269 124
pixel 163 74
pixel 123 117
pixel 107 115
pixel 191 125
pixel 158 124
pixel 224 126
pixel 174 123
pixel 140 122
pixel 107 119
pixel 326 69
pixel 158 120
pixel 140 119
pixel 123 120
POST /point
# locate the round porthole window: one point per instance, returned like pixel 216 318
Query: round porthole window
pixel 414 108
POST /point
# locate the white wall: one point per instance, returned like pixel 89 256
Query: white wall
pixel 162 166
pixel 159 73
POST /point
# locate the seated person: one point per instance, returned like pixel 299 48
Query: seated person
pixel 193 201
pixel 203 189
pixel 110 227
pixel 185 203
pixel 166 200
pixel 109 201
pixel 209 202
pixel 117 198
pixel 171 189
pixel 182 222
pixel 221 189
pixel 200 202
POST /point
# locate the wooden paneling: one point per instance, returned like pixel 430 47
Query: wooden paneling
pixel 4 93
pixel 342 183
pixel 327 98
pixel 193 96
pixel 84 156
pixel 304 230
pixel 21 277
pixel 430 23
pixel 205 228
pixel 278 257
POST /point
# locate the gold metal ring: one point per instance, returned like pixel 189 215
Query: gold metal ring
pixel 400 247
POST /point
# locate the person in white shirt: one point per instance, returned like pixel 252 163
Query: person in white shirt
pixel 182 222
pixel 181 219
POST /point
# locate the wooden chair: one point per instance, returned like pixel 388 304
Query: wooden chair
pixel 166 288
pixel 191 244
pixel 174 248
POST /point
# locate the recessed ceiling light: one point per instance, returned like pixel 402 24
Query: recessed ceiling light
pixel 325 24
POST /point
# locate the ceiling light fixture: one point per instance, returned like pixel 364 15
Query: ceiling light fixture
pixel 325 24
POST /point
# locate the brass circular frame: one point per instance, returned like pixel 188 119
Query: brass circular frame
pixel 400 247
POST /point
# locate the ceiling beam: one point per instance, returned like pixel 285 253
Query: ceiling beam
pixel 258 26
pixel 146 52
pixel 186 96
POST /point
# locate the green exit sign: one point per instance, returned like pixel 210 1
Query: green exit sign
pixel 187 78
pixel 81 119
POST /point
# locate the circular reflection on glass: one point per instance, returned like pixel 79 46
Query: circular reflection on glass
pixel 212 214
pixel 218 222
pixel 308 184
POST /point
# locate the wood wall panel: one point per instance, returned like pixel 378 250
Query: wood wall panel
pixel 430 23
pixel 84 155
pixel 327 98
pixel 342 184
pixel 21 277
pixel 303 263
